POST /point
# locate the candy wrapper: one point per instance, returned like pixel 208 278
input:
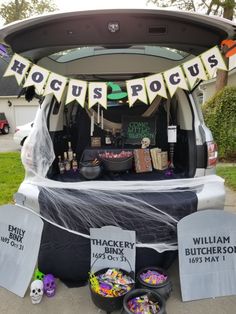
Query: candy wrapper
pixel 143 305
pixel 153 277
pixel 113 283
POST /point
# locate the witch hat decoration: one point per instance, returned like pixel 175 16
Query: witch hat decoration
pixel 116 93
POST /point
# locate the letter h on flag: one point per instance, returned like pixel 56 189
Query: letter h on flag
pixel 18 67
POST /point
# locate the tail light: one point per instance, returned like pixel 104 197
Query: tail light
pixel 16 130
pixel 212 154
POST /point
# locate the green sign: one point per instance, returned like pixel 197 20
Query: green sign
pixel 136 128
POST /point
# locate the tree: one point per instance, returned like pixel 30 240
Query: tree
pixel 225 8
pixel 21 9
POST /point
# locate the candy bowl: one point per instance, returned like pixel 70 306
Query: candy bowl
pixel 108 288
pixel 154 278
pixel 143 301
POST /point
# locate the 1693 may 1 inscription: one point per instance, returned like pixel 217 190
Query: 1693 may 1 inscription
pixel 211 249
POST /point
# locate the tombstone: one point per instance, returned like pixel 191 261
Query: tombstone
pixel 207 254
pixel 20 236
pixel 112 247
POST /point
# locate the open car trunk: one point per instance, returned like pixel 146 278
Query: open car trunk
pixel 76 129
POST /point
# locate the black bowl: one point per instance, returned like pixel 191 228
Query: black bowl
pixel 90 171
pixel 107 304
pixel 152 295
pixel 117 164
pixel 164 289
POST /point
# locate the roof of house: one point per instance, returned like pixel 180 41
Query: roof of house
pixel 8 85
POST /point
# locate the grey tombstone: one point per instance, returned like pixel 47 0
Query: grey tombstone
pixel 20 236
pixel 112 247
pixel 207 254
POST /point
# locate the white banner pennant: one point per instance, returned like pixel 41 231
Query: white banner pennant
pixel 55 85
pixel 97 94
pixel 213 60
pixel 37 77
pixel 18 67
pixel 155 85
pixel 194 71
pixel 175 78
pixel 76 91
pixel 183 76
pixel 136 90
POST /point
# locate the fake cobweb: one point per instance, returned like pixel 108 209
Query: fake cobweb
pixel 151 208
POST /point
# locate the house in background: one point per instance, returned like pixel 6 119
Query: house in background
pixel 208 87
pixel 17 110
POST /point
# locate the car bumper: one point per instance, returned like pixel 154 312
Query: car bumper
pixel 210 190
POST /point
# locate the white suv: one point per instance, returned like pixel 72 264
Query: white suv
pixel 113 47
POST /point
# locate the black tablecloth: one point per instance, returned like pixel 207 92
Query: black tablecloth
pixel 67 255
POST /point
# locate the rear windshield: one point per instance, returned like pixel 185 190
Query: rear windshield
pixel 83 52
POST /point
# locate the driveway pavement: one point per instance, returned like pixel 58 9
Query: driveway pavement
pixel 7 144
pixel 78 301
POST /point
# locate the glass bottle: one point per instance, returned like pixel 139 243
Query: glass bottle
pixel 70 152
pixel 74 163
pixel 108 138
pixel 66 162
pixel 61 165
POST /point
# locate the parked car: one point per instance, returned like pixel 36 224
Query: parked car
pixel 4 125
pixel 22 132
pixel 115 46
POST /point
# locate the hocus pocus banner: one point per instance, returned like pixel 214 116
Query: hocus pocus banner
pixel 145 89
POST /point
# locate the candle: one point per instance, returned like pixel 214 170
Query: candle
pixel 102 119
pixel 91 125
pixel 98 116
pixel 93 120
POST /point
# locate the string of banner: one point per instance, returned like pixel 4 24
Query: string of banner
pixel 185 76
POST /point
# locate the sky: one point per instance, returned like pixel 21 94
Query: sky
pixel 71 5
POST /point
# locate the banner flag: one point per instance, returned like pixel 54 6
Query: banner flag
pixel 18 67
pixel 76 91
pixel 194 71
pixel 213 60
pixel 155 85
pixel 175 78
pixel 55 85
pixel 136 90
pixel 97 94
pixel 37 77
pixel 145 89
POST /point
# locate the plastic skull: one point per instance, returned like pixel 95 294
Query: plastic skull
pixel 36 291
pixel 49 285
pixel 145 142
pixel 38 274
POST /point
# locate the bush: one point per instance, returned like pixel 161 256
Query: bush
pixel 220 116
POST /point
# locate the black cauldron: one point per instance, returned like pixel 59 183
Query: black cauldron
pixel 117 164
pixel 164 289
pixel 108 304
pixel 89 170
pixel 152 295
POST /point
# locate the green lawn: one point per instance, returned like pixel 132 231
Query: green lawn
pixel 12 174
pixel 228 172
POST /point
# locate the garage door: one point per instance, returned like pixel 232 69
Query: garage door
pixel 24 114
